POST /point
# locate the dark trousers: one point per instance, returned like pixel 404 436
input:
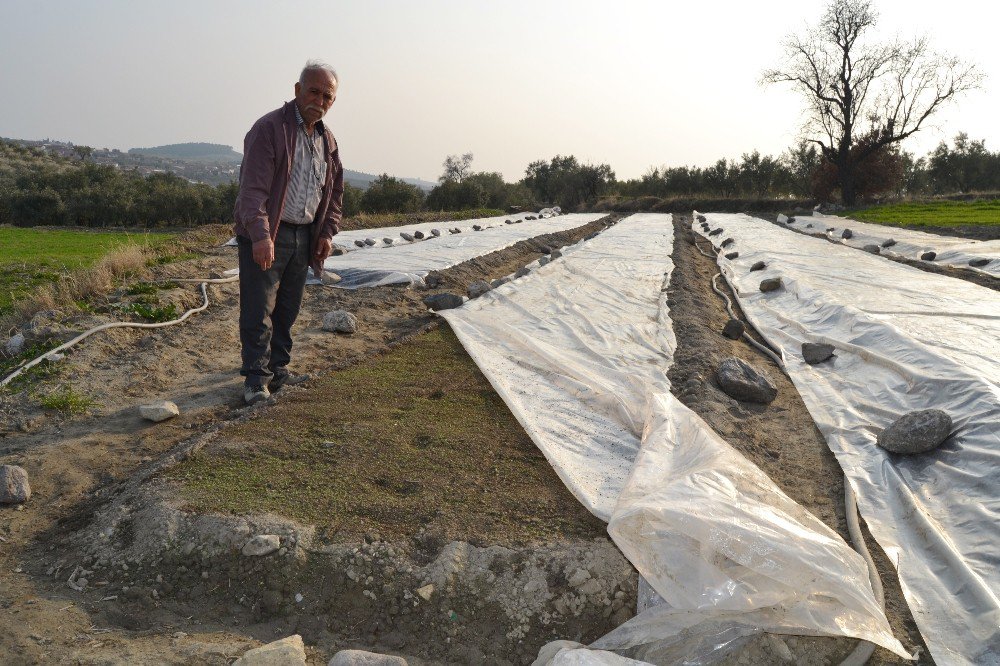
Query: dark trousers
pixel 270 301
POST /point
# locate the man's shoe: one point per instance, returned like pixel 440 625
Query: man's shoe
pixel 254 394
pixel 286 379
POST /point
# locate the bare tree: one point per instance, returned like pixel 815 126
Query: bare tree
pixel 856 88
pixel 456 168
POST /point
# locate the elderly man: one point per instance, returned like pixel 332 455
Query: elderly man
pixel 287 212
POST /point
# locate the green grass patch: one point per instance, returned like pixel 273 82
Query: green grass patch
pixel 154 313
pixel 66 401
pixel 30 258
pixel 413 438
pixel 931 213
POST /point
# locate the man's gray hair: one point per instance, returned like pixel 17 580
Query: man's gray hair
pixel 316 66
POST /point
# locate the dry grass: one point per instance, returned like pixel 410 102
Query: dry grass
pixel 87 284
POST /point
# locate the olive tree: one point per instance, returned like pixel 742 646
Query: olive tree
pixel 855 86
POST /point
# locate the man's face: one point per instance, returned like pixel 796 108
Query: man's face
pixel 316 95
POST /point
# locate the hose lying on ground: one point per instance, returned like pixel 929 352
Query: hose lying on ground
pixel 124 324
pixel 864 650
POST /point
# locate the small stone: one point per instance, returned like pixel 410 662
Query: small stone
pixel 359 243
pixel 286 652
pixel 370 242
pixel 543 260
pixel 727 242
pixel 387 241
pixel 425 592
pixel 445 301
pixel 477 289
pixel 456 230
pixel 507 222
pixel 419 235
pixel 742 381
pixel 770 284
pixel 578 578
pixel 978 263
pixel 476 227
pixel 262 544
pixel 758 266
pixel 432 281
pixel 929 256
pixel 405 236
pixel 871 248
pixel 15 345
pixel 916 432
pixel 779 648
pixel 702 218
pixel 732 255
pixel 329 278
pixel 816 352
pixel 158 411
pixel 338 250
pixel 847 233
pixel 809 226
pixel 435 232
pixel 556 253
pixel 716 232
pixel 829 229
pixel 889 243
pixel 733 329
pixel 340 321
pixel 14 486
pixel 499 281
pixel 522 272
pixel 363 658
pixel 549 651
pixel 791 218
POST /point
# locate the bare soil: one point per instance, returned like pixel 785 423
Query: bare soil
pixel 154 514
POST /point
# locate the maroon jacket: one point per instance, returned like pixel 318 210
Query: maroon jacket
pixel 267 167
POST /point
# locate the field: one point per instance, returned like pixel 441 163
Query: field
pixel 931 213
pixel 396 464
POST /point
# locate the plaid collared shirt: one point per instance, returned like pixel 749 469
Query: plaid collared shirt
pixel 305 187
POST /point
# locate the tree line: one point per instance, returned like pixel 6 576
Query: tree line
pixel 38 189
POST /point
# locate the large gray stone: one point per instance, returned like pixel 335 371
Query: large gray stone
pixel 916 432
pixel 406 236
pixel 419 235
pixel 742 381
pixel 158 411
pixel 363 658
pixel 872 248
pixel 14 345
pixel 978 263
pixel 14 486
pixel 929 256
pixel 435 232
pixel 770 284
pixel 387 241
pixel 758 266
pixel 369 242
pixel 286 652
pixel 477 289
pixel 340 321
pixel 847 233
pixel 445 301
pixel 889 243
pixel 732 255
pixel 359 243
pixel 262 544
pixel 816 352
pixel 733 329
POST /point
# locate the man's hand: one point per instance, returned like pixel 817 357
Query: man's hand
pixel 323 249
pixel 263 253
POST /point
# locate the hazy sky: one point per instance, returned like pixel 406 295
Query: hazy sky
pixel 632 84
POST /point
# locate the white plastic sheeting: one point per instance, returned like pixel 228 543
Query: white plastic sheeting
pixel 347 237
pixel 579 350
pixel 407 263
pixel 910 244
pixel 905 340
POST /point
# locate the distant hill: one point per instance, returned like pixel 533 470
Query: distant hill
pixel 193 152
pixel 214 152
